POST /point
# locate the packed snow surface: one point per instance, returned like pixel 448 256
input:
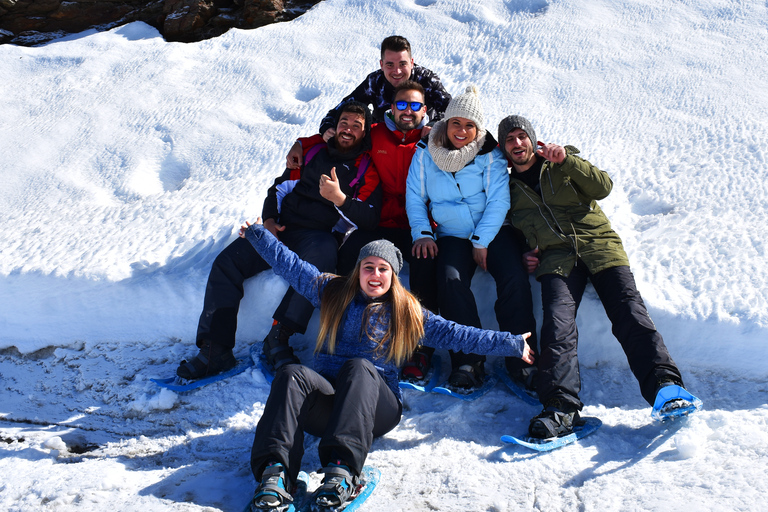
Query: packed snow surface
pixel 128 163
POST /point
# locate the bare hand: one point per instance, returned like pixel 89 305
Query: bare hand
pixel 329 134
pixel 331 190
pixel 531 260
pixel 243 229
pixel 273 227
pixel 527 352
pixel 552 152
pixel 480 255
pixel 295 158
pixel 423 248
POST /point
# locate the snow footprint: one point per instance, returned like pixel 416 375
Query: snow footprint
pixel 160 170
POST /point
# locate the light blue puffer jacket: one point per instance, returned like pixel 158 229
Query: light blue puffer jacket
pixel 470 204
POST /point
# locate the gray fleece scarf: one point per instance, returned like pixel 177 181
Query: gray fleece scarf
pixel 452 160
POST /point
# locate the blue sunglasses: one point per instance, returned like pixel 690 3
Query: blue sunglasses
pixel 415 105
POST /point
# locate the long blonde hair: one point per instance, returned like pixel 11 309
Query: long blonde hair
pixel 406 321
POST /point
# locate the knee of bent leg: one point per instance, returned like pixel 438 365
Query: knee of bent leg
pixel 235 254
pixel 357 367
pixel 290 373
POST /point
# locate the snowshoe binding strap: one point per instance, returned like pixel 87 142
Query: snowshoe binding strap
pixel 277 351
pixel 339 485
pixel 466 377
pixel 552 422
pixel 280 356
pixel 205 364
pixel 271 494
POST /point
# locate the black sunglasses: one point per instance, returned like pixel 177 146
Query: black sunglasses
pixel 415 105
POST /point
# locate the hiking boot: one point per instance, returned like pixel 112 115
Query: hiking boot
pixel 556 420
pixel 468 376
pixel 271 494
pixel 523 374
pixel 211 360
pixel 417 366
pixel 338 486
pixel 277 351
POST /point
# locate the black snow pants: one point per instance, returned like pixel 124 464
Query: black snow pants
pixel 240 261
pixel 346 414
pixel 648 358
pixel 514 306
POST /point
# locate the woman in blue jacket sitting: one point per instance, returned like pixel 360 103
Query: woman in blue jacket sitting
pixel 369 325
pixel 459 180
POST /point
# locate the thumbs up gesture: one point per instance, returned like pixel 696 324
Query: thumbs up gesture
pixel 331 190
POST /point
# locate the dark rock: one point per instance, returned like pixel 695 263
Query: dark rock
pixel 33 22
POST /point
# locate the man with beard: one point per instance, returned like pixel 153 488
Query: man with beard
pixel 336 191
pixel 394 143
pixel 554 197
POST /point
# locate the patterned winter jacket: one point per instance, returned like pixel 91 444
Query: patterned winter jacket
pixel 470 204
pixel 377 91
pixel 352 341
pixel 565 221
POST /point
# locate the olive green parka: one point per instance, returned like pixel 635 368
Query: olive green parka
pixel 565 221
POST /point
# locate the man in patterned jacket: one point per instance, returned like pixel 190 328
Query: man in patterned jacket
pixel 378 89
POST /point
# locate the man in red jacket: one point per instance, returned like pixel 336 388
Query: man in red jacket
pixel 393 145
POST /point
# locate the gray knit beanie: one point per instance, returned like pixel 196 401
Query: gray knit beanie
pixel 468 106
pixel 385 250
pixel 511 123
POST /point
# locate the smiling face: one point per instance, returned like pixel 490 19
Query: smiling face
pixel 407 119
pixel 396 66
pixel 520 149
pixel 460 131
pixel 350 131
pixel 375 276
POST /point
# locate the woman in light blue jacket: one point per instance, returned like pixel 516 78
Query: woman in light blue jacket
pixel 458 181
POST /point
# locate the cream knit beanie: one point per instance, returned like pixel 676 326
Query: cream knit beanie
pixel 468 106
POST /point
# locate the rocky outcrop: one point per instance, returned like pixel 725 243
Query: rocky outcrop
pixel 32 22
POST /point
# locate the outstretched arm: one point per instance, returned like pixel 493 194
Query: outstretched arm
pixel 442 333
pixel 302 276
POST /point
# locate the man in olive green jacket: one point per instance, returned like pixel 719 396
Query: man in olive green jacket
pixel 553 202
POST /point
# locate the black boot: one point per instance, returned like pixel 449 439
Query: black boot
pixel 556 420
pixel 522 373
pixel 277 351
pixel 468 376
pixel 211 360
